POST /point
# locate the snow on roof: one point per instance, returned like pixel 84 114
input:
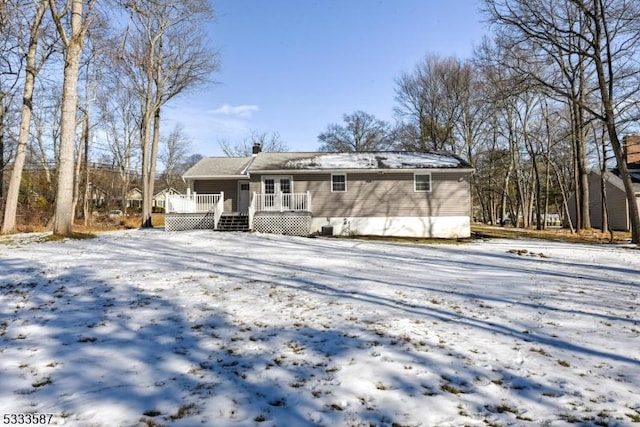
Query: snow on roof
pixel 379 160
pixel 225 167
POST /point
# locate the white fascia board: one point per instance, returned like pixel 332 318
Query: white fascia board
pixel 216 177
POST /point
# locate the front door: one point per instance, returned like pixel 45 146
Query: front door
pixel 243 197
pixel 277 192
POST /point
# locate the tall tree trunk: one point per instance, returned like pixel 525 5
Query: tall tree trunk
pixel 547 168
pixel 151 178
pixel 87 183
pixel 604 214
pixel 147 138
pixel 146 163
pixel 63 222
pixel 604 227
pixel 576 168
pixel 583 175
pixel 149 182
pixel 505 192
pixel 2 159
pixel 78 164
pixel 11 205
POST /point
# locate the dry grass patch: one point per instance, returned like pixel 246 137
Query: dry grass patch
pixel 562 234
pixel 81 231
pixel 75 236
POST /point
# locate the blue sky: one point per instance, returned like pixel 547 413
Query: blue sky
pixel 295 66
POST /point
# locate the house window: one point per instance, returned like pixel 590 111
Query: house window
pixel 244 187
pixel 338 183
pixel 422 183
pixel 269 186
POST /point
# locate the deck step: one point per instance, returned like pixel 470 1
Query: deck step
pixel 233 223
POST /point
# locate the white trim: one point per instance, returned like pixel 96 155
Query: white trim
pixel 447 227
pixel 213 177
pixel 345 183
pixel 416 174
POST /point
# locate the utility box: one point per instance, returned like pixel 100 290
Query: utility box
pixel 327 230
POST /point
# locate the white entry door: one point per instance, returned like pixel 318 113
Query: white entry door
pixel 277 192
pixel 243 197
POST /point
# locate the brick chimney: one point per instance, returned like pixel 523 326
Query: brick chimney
pixel 632 150
pixel 257 147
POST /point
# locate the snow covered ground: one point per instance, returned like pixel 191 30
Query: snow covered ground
pixel 217 329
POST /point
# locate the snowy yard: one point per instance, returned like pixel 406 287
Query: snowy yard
pixel 217 329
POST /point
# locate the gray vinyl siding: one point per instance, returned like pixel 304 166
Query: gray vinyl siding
pixel 617 210
pixel 230 188
pixel 383 195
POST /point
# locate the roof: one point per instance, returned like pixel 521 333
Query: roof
pixel 377 160
pixel 219 167
pixel 166 190
pixel 613 177
pixel 635 178
pixel 227 167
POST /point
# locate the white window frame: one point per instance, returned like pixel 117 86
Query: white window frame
pixel 415 182
pixel 278 178
pixel 345 182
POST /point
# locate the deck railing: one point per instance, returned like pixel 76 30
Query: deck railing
pixel 195 203
pixel 217 210
pixel 282 202
pixel 252 210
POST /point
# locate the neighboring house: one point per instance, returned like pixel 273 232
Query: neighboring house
pixel 616 198
pixel 160 198
pixel 134 198
pixel 617 205
pixel 376 193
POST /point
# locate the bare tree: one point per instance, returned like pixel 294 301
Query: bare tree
pixel 268 141
pixel 73 40
pixel 593 46
pixel 174 151
pixel 611 40
pixel 45 135
pixel 164 54
pixel 95 60
pixel 119 107
pixel 560 75
pixel 361 132
pixel 429 103
pixel 10 68
pixel 498 160
pixel 34 14
pixel 515 137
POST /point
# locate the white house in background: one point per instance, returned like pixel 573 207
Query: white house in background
pixel 134 198
pixel 160 198
pixel 372 193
